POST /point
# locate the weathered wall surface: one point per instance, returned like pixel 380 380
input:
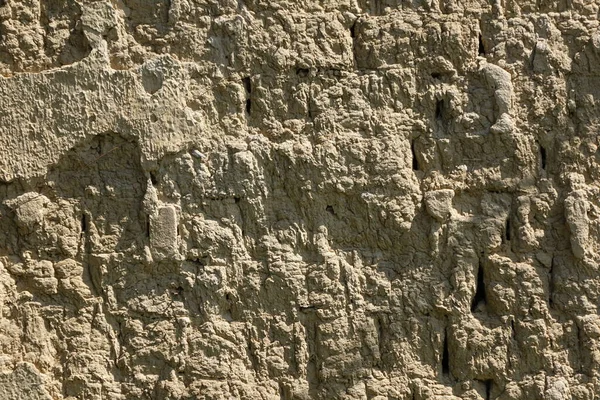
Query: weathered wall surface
pixel 299 199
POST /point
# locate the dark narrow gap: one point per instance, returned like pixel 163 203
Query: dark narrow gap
pixel 247 84
pixel 479 289
pixel 147 226
pixel 439 109
pixel 436 75
pixel 542 157
pixel 551 284
pixel 507 228
pixel 513 332
pixel 380 339
pixel 330 210
pixel 415 161
pixel 580 349
pixel 84 223
pixel 353 37
pixel 481 50
pixel 153 178
pixel 236 199
pixel 488 389
pixel 302 72
pixel 532 58
pixel 445 356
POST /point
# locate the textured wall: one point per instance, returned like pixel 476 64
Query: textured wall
pixel 299 199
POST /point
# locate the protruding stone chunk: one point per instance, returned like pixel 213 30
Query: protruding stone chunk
pixel 500 81
pixel 30 210
pixel 163 232
pixel 576 208
pixel 439 203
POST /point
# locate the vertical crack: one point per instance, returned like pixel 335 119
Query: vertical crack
pixel 543 157
pixel 480 297
pixel 439 110
pixel 84 224
pixel 445 355
pixel 481 49
pixel 415 161
pixel 248 87
pixel 507 230
pixel 353 37
pixel 551 285
pixel 513 332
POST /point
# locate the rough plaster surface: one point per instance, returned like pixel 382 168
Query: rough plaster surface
pixel 299 199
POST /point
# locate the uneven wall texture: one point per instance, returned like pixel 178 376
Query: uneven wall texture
pixel 299 199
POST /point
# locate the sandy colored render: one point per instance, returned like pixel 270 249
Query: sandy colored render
pixel 299 199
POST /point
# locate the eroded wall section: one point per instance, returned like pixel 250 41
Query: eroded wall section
pixel 307 199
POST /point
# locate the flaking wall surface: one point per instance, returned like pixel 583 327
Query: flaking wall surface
pixel 310 199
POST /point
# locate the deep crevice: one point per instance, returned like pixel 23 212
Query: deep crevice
pixel 247 84
pixel 380 338
pixel 436 75
pixel 488 388
pixel 542 157
pixel 551 285
pixel 580 347
pixel 513 332
pixel 330 210
pixel 353 30
pixel 153 178
pixel 507 230
pixel 481 49
pixel 84 223
pixel 302 72
pixel 415 161
pixel 479 290
pixel 439 110
pixel 248 87
pixel 353 37
pixel 445 356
